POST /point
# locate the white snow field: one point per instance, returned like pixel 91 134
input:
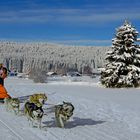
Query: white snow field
pixel 100 113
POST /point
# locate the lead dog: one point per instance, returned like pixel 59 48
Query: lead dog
pixel 12 105
pixel 33 113
pixel 62 113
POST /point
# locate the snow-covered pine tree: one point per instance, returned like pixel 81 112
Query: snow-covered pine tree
pixel 123 61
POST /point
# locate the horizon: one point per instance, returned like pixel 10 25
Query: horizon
pixel 74 22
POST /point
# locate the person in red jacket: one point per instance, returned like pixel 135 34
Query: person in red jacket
pixel 3 75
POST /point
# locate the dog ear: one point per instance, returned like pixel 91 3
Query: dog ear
pixel 64 102
pixel 45 94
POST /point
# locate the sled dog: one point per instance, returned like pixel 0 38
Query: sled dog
pixel 38 99
pixel 62 113
pixel 12 104
pixel 33 113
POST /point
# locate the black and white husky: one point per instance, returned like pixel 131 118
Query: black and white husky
pixel 62 113
pixel 33 113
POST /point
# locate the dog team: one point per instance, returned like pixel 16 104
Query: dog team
pixel 33 109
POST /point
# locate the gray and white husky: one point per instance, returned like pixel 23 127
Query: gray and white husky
pixel 12 105
pixel 63 112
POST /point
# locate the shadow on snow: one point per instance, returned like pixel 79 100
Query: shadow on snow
pixel 76 122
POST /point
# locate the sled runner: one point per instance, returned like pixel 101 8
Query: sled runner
pixel 1 101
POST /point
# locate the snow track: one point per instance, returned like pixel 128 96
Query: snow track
pixel 14 128
pixel 100 114
pixel 9 130
pixel 19 131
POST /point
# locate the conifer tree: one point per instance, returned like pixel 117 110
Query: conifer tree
pixel 123 61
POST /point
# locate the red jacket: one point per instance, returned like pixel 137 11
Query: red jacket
pixel 3 93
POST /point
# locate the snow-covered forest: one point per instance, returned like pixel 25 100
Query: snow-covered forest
pixel 51 57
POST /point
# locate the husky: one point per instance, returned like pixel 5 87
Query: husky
pixel 38 99
pixel 12 105
pixel 62 113
pixel 33 113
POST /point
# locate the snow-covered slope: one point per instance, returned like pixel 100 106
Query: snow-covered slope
pixel 100 114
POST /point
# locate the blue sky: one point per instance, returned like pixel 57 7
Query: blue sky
pixel 74 22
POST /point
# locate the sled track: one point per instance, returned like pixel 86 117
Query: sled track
pixel 19 137
pixel 12 131
pixel 56 137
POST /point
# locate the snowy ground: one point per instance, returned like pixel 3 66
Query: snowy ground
pixel 100 113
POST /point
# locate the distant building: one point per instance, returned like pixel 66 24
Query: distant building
pixel 51 73
pixel 73 74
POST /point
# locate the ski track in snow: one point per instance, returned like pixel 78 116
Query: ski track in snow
pixel 97 116
pixel 15 127
pixel 9 130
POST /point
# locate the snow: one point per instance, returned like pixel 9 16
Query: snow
pixel 137 55
pixel 127 55
pixel 100 113
pixel 135 68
